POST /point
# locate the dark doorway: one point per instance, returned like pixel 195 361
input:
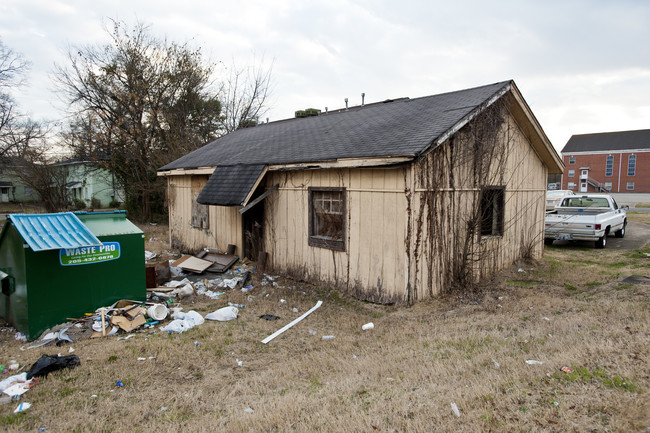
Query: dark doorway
pixel 253 225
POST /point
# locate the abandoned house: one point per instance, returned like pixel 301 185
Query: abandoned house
pixel 392 202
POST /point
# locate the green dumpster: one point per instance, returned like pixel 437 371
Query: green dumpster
pixel 59 266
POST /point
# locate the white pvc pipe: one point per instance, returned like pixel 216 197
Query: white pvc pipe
pixel 281 330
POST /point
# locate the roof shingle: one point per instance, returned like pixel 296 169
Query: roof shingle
pixel 615 141
pixel 404 127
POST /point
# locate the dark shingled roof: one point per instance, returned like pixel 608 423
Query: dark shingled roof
pixel 400 128
pixel 229 186
pixel 615 141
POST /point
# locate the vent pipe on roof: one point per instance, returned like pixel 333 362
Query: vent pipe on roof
pixel 267 120
pixel 363 97
pixel 326 110
pixel 346 104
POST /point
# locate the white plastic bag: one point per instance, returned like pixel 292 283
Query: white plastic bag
pixel 223 314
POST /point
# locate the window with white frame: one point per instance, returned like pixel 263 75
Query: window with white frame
pixel 572 160
pixel 609 167
pixel 608 186
pixel 631 165
pixel 571 185
pixel 572 173
pixel 630 186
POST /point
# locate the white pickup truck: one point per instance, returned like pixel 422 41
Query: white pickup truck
pixel 585 218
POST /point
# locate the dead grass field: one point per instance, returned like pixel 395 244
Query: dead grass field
pixel 570 309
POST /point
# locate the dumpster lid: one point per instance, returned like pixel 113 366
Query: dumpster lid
pixel 44 232
pixel 108 223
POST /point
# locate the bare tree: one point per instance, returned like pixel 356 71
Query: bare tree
pixel 139 102
pixel 15 129
pixel 244 96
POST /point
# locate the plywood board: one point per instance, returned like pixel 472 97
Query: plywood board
pixel 192 264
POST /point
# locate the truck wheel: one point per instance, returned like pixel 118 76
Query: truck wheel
pixel 548 241
pixel 601 242
pixel 621 233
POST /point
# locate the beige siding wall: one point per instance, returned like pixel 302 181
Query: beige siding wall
pixel 406 228
pixel 447 185
pixel 225 222
pixel 373 266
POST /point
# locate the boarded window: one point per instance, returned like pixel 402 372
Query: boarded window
pixel 327 218
pixel 200 214
pixel 492 211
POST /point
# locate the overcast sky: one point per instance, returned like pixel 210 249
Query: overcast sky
pixel 582 66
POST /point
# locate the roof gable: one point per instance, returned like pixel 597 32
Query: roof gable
pixel 599 142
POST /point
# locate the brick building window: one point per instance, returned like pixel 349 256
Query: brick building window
pixel 608 186
pixel 571 185
pixel 572 160
pixel 572 173
pixel 630 186
pixel 327 218
pixel 631 165
pixel 609 168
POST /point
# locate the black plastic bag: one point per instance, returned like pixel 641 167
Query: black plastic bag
pixel 46 364
pixel 269 317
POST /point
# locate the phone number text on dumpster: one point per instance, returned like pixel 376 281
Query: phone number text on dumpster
pixel 89 255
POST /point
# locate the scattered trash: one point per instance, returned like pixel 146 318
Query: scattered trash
pixel 327 337
pixel 22 407
pixel 240 363
pixel 223 314
pixel 455 410
pixel 183 321
pixel 196 343
pixel 520 270
pixel 192 264
pixel 567 369
pixel 157 312
pixel 247 289
pixel 142 359
pixel 367 326
pixel 71 349
pixel 249 410
pixel 533 362
pixel 42 429
pixel 496 364
pixel 547 319
pixel 269 317
pixel 47 364
pixel 282 301
pixel 245 278
pixel 119 384
pixel 126 337
pixel 281 330
pixel 295 310
pixel 555 403
pixel 312 332
pixel 230 304
pixel 149 255
pixel 20 336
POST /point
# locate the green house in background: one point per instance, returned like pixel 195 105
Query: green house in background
pixel 85 181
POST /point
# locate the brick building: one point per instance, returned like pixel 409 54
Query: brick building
pixel 607 162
